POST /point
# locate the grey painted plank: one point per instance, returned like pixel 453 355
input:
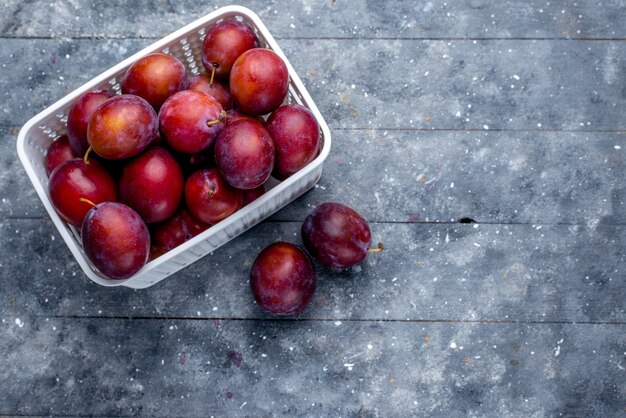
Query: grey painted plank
pixel 342 19
pixel 413 84
pixel 37 73
pixel 408 176
pixel 491 177
pixel 503 85
pixel 426 272
pixel 251 368
pixel 17 195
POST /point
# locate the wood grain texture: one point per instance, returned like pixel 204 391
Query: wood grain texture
pixel 457 272
pixel 329 18
pixel 382 84
pixel 188 368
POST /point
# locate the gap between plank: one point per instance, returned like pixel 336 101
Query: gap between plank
pixel 375 222
pixel 12 414
pixel 349 320
pixel 613 131
pixel 396 129
pixel 329 38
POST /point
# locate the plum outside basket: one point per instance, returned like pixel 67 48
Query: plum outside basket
pixel 185 44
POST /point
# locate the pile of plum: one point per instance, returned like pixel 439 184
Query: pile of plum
pixel 142 172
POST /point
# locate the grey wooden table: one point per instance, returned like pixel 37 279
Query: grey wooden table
pixel 507 113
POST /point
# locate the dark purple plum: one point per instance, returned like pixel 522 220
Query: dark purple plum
pixel 76 179
pixel 209 198
pixel 122 127
pixel 282 279
pixel 224 43
pixel 296 136
pixel 194 162
pixel 59 152
pixel 259 81
pixel 115 240
pixel 217 89
pixel 155 77
pixel 176 230
pixel 336 235
pixel 244 154
pixel 152 184
pixel 79 117
pixel 190 121
pixel 233 115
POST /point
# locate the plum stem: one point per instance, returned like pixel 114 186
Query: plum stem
pixel 213 74
pixel 378 249
pixel 211 191
pixel 85 158
pixel 82 199
pixel 218 120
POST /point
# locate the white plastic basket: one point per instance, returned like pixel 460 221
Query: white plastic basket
pixel 185 44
